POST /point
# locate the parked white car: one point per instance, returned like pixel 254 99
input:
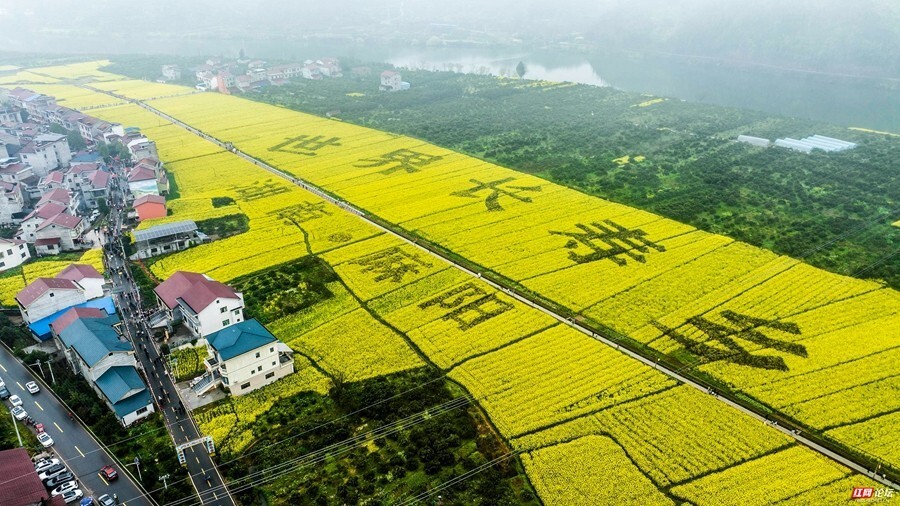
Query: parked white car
pixel 15 400
pixel 72 495
pixel 19 412
pixel 32 387
pixel 65 487
pixel 41 465
pixel 45 439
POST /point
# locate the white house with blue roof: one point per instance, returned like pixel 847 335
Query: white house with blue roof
pixel 97 351
pixel 125 393
pixel 243 357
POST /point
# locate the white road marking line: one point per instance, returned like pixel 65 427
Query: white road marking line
pixel 57 426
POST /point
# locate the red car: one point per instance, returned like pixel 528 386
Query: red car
pixel 39 427
pixel 108 473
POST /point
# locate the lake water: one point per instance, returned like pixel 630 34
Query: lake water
pixel 849 101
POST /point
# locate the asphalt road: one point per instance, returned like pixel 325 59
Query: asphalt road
pixel 73 444
pixel 204 475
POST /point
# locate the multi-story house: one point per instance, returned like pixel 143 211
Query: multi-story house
pixel 46 152
pixel 243 357
pixel 94 346
pixel 13 253
pixel 59 233
pixel 87 277
pixel 46 296
pixel 12 203
pixel 203 304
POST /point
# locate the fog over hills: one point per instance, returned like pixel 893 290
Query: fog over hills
pixel 825 35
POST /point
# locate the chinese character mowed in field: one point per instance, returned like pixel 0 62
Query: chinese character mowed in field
pixel 305 144
pixel 400 159
pixel 391 264
pixel 495 190
pixel 609 240
pixel 302 212
pixel 258 191
pixel 742 327
pixel 470 305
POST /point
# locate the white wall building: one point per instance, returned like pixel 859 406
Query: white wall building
pixel 204 305
pixel 13 253
pixel 243 357
pixel 46 296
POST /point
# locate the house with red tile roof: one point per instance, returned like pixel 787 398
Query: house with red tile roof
pixel 35 218
pixel 74 313
pixel 87 277
pixel 26 489
pixel 149 207
pixel 142 181
pixel 46 296
pixel 203 304
pixel 64 227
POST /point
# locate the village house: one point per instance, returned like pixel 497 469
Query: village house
pixel 35 218
pixel 166 238
pixel 46 152
pixel 14 171
pixel 59 233
pixel 243 357
pixel 171 72
pixel 94 346
pixel 13 253
pixel 142 147
pixel 142 181
pixel 46 296
pixel 148 207
pixel 12 203
pixel 10 115
pixel 87 277
pixel 95 187
pixel 390 81
pixel 203 304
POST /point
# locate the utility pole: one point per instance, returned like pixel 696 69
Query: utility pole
pixel 16 425
pixel 164 478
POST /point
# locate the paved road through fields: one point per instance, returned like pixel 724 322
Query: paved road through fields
pixel 204 475
pixel 73 444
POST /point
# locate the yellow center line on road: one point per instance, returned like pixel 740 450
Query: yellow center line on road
pixel 197 459
pixel 79 451
pixel 38 405
pixel 58 427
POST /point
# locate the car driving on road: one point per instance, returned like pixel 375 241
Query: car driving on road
pixel 106 500
pixel 108 473
pixel 45 439
pixel 32 387
pixel 19 412
pixel 15 400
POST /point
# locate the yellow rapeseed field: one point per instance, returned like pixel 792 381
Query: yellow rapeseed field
pixel 555 393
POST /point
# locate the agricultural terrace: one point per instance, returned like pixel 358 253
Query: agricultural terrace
pixel 554 394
